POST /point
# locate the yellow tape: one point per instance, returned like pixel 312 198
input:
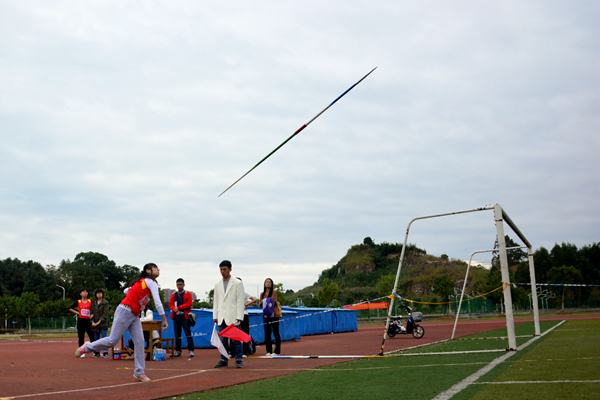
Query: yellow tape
pixel 455 301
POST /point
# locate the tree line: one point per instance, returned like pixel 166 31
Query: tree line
pixel 28 290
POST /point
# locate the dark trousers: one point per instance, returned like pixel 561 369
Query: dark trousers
pixel 179 321
pixel 272 324
pixel 237 352
pixel 245 327
pixel 84 326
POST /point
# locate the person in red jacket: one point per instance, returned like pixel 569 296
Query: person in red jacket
pixel 83 309
pixel 181 306
pixel 127 318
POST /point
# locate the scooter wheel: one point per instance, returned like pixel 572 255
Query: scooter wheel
pixel 418 331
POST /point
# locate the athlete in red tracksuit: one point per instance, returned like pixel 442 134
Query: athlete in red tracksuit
pixel 127 319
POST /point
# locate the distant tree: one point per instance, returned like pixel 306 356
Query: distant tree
pixel 130 273
pixel 37 280
pixel 564 274
pixel 8 307
pixel 27 306
pixel 386 284
pixel 514 256
pixel 17 277
pixel 201 304
pixel 53 309
pixel 565 254
pixel 443 286
pixel 542 262
pixel 114 298
pixel 369 242
pixel 522 273
pixel 104 273
pixel 590 262
pixel 444 257
pixel 281 297
pixel 210 296
pixel 328 292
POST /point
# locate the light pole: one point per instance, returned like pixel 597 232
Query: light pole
pixel 63 318
pixel 63 290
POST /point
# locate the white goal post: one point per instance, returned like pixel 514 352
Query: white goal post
pixel 500 217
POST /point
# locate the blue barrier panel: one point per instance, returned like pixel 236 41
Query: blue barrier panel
pixel 296 322
pixel 345 321
pixel 315 321
pixel 289 327
pixel 201 332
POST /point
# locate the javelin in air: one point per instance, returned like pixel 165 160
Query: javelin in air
pixel 298 131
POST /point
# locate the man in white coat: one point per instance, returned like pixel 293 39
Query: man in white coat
pixel 228 308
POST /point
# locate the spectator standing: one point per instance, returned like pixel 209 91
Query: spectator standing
pixel 228 308
pixel 271 321
pixel 127 319
pixel 101 313
pixel 181 306
pixel 83 309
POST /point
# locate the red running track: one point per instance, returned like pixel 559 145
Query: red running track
pixel 48 369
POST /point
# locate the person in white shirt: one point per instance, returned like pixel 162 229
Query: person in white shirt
pixel 228 308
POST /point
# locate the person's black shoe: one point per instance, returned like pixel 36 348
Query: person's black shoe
pixel 221 364
pixel 239 363
pixel 177 354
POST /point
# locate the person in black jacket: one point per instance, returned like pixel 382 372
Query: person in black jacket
pixel 100 315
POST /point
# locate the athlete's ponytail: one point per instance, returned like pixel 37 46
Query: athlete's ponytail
pixel 145 273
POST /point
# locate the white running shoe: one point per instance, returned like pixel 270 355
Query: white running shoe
pixel 142 377
pixel 80 352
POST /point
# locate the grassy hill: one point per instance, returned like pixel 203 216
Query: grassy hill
pixel 368 271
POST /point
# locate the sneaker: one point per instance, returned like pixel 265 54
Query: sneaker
pixel 96 355
pixel 221 364
pixel 104 355
pixel 82 356
pixel 142 377
pixel 191 353
pixel 177 354
pixel 80 352
pixel 275 355
pixel 245 356
pixel 239 363
pixel 268 355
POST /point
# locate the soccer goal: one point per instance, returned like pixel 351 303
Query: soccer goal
pixel 500 217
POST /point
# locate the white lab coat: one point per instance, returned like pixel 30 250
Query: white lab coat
pixel 229 306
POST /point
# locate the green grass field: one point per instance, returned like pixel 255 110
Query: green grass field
pixel 551 367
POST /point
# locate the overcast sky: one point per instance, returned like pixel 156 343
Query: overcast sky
pixel 122 121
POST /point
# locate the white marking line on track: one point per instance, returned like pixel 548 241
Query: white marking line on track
pixel 107 387
pixel 528 382
pixel 447 394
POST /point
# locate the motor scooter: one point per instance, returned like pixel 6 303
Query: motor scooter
pixel 396 327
